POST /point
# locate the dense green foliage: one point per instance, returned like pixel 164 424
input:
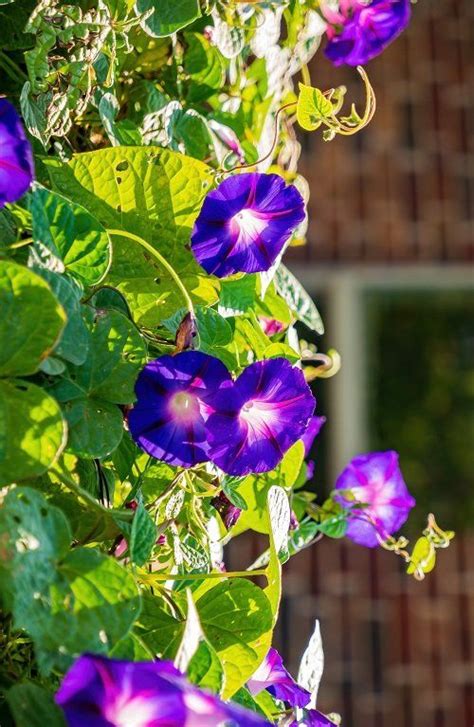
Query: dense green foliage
pixel 137 110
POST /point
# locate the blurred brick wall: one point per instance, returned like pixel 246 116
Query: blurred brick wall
pixel 398 653
pixel 402 189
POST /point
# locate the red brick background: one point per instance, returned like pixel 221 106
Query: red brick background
pixel 398 653
pixel 402 190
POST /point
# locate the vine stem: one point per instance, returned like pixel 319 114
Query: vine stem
pixel 21 243
pixel 160 577
pixel 88 498
pixel 161 261
pixel 272 148
pixel 11 68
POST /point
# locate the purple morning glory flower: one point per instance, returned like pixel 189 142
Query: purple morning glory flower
pixel 256 422
pixel 228 512
pixel 375 479
pixel 361 30
pixel 174 399
pixel 101 692
pixel 314 427
pixel 272 676
pixel 244 224
pixel 16 156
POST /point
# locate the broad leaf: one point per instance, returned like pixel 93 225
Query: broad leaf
pixel 159 630
pixel 84 600
pixel 167 16
pixel 107 377
pixel 254 490
pixel 192 636
pixel 205 668
pixel 33 706
pixel 278 524
pixel 142 537
pixel 68 237
pixel 333 519
pixel 95 427
pixel 155 194
pixel 188 131
pixel 213 331
pixel 204 65
pixel 33 536
pixel 312 107
pixel 236 618
pixel 237 296
pixel 31 321
pixel 152 192
pixel 74 342
pixel 298 300
pixel 147 287
pixel 312 665
pixel 32 430
pixel 117 354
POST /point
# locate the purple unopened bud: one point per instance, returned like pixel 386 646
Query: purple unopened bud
pixel 227 136
pixel 294 524
pixel 228 512
pixel 270 326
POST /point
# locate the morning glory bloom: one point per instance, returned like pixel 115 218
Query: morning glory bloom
pixel 101 692
pixel 259 418
pixel 375 479
pixel 244 224
pixel 272 676
pixel 174 399
pixel 16 156
pixel 360 30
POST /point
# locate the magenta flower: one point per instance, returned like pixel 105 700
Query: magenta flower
pixel 376 480
pixel 361 30
pixel 228 512
pixel 244 224
pixel 174 399
pixel 16 156
pixel 270 326
pixel 101 692
pixel 272 676
pixel 256 422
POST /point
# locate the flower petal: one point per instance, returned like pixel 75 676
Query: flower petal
pixel 375 479
pixel 16 156
pixel 314 427
pixel 101 692
pixel 258 420
pixel 174 400
pixel 272 676
pixel 244 224
pixel 367 31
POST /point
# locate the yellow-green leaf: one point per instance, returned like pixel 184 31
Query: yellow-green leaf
pixel 312 107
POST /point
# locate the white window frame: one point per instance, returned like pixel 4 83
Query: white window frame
pixel 343 289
